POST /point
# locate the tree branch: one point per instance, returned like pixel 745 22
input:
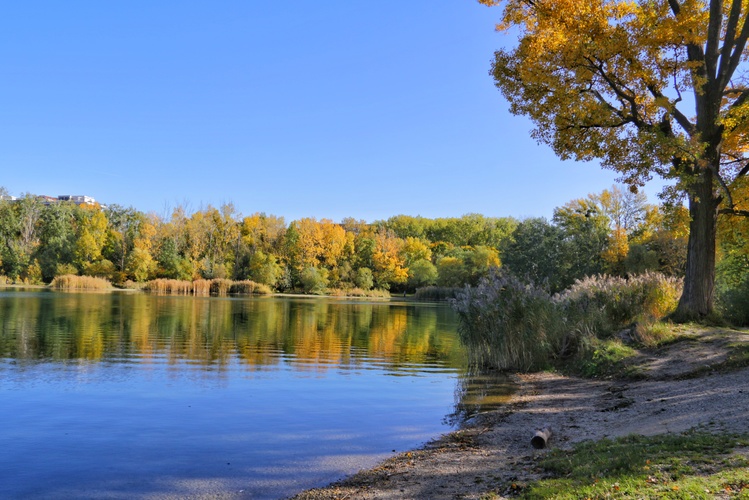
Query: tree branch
pixel 680 117
pixel 598 66
pixel 729 38
pixel 712 50
pixel 675 7
pixel 733 211
pixel 738 52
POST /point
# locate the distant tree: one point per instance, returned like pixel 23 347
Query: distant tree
pixel 314 280
pixel 364 279
pixel 537 252
pixel 422 273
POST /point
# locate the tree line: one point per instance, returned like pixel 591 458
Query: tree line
pixel 616 232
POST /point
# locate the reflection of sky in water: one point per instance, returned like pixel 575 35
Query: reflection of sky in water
pixel 189 409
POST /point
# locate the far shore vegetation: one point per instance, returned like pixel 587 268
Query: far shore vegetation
pixel 217 251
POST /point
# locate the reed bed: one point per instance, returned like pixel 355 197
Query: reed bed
pixel 205 288
pixel 169 286
pixel 201 288
pixel 4 280
pixel 248 287
pixel 220 287
pixel 508 324
pixel 73 282
pixel 358 292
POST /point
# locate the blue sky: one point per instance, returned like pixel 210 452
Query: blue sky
pixel 299 109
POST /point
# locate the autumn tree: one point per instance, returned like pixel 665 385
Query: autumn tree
pixel 614 80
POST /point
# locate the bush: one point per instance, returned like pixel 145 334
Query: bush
pixel 437 293
pixel 314 280
pixel 508 325
pixel 733 303
pixel 606 304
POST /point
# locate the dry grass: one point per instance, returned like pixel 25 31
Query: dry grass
pixel 205 288
pixel 248 287
pixel 169 287
pixel 72 282
pixel 220 287
pixel 358 292
pixel 201 288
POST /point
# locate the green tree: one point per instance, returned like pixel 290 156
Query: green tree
pixel 314 280
pixel 422 273
pixel 611 80
pixel 364 278
pixel 537 253
pixel 57 237
pixel 264 268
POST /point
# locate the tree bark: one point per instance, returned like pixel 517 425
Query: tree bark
pixel 699 281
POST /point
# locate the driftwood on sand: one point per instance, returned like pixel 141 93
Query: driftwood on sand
pixel 541 438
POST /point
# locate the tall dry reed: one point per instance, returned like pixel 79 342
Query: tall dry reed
pixel 205 288
pixel 507 324
pixel 247 287
pixel 73 282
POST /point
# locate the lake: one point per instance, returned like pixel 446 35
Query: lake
pixel 129 395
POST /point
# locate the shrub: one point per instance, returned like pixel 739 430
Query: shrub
pixel 506 324
pixel 437 293
pixel 509 325
pixel 71 282
pixel 606 304
pixel 364 278
pixel 733 303
pixel 314 280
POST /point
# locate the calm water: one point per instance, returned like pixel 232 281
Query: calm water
pixel 132 395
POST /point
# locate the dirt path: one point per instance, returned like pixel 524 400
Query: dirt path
pixel 679 392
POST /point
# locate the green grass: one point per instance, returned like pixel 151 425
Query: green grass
pixel 605 358
pixel 689 465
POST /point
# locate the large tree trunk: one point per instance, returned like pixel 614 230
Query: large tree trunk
pixel 697 299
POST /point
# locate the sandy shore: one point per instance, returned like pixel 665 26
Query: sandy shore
pixel 679 392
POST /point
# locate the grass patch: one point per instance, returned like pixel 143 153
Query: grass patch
pixel 655 334
pixel 606 358
pixel 689 465
pixel 72 282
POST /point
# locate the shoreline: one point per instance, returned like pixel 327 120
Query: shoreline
pixel 492 457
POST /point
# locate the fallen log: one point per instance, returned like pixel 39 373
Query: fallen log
pixel 541 438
